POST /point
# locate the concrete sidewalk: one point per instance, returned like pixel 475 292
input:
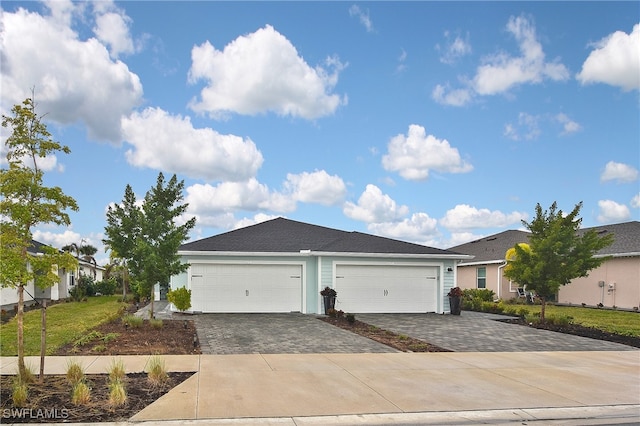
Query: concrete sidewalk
pixel 388 388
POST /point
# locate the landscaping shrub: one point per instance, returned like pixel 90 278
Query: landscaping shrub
pixel 180 297
pixel 81 394
pixel 156 373
pixel 483 294
pixel 19 392
pixel 132 321
pixel 155 323
pixel 117 393
pixel 491 307
pixel 351 318
pixel 116 371
pixel 75 373
pixel 106 287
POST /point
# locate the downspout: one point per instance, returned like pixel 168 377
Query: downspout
pixel 500 278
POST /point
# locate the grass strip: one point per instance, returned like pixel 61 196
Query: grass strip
pixel 65 323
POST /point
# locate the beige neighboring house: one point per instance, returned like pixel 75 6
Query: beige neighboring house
pixel 615 283
pixel 68 278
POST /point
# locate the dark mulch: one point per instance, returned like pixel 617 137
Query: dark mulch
pixel 175 337
pixel 398 341
pixel 51 402
pixel 579 330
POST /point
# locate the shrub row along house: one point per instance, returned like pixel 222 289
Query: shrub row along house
pixel 67 280
pixel 281 265
pixel 616 283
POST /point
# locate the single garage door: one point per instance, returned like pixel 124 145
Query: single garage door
pixel 246 288
pixel 386 288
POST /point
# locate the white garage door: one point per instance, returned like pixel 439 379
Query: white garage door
pixel 386 289
pixel 246 288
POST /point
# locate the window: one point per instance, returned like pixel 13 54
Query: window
pixel 481 277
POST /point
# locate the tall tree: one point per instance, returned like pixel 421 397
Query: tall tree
pixel 557 253
pixel 26 202
pixel 149 236
pixel 122 232
pixel 155 257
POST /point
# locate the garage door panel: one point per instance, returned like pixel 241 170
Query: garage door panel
pixel 386 288
pixel 247 288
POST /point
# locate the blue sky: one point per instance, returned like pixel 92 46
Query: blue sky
pixel 431 122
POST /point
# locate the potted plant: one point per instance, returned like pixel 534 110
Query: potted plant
pixel 455 300
pixel 329 298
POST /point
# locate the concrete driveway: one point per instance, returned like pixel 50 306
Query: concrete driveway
pixel 299 334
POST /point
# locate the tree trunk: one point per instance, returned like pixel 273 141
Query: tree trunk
pixel 153 288
pixel 43 340
pixel 22 369
pixel 544 302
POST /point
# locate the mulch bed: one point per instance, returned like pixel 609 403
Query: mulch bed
pixel 175 337
pixel 579 330
pixel 51 402
pixel 398 341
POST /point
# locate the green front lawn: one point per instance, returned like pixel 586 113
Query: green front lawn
pixel 65 323
pixel 614 321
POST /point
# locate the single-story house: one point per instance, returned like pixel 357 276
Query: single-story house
pixel 9 296
pixel 281 265
pixel 615 283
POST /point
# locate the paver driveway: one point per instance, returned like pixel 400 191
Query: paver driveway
pixel 299 333
pixel 479 332
pixel 277 334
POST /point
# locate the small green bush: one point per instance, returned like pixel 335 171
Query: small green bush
pixel 133 321
pixel 81 394
pixel 351 318
pixel 75 372
pixel 116 371
pixel 19 392
pixel 106 287
pixel 155 323
pixel 87 338
pixel 117 393
pixel 180 297
pixel 483 294
pixel 156 372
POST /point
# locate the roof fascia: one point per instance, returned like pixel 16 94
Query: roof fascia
pixel 325 253
pixel 482 262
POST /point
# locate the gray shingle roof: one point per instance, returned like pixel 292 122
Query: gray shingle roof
pixel 288 236
pixel 494 247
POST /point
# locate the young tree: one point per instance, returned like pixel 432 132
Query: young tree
pixel 556 253
pixel 148 237
pixel 122 232
pixel 26 202
pixel 155 257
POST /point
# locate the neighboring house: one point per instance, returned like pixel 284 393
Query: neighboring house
pixel 281 265
pixel 615 283
pixel 9 296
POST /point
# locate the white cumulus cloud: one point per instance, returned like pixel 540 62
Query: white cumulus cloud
pixel 419 228
pixel 262 72
pixel 112 28
pixel 170 142
pixel 619 172
pixel 415 154
pixel 454 49
pixel 615 61
pixel 611 212
pixel 316 187
pixel 635 201
pixel 464 217
pixel 45 52
pixel 374 206
pixel 501 71
pixel 250 195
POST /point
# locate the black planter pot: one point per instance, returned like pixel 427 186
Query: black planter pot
pixel 329 303
pixel 455 304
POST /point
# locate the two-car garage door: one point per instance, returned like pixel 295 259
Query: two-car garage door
pixel 246 287
pixel 386 288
